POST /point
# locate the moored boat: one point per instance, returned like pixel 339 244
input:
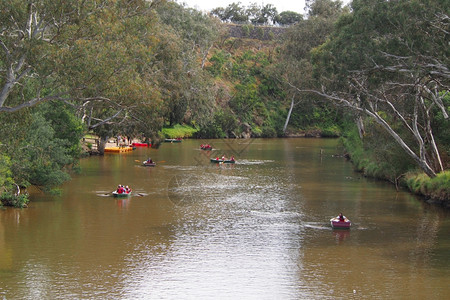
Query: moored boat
pixel 141 144
pixel 119 149
pixel 224 161
pixel 177 140
pixel 340 223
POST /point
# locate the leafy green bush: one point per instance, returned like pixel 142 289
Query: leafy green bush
pixel 5 171
pixel 268 132
pixel 218 62
pixel 331 131
pixel 8 199
pixel 256 131
pixel 223 125
pixel 179 131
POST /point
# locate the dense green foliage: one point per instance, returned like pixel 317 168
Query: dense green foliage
pixel 39 146
pixel 179 131
pixel 255 14
pixel 249 102
pixel 151 69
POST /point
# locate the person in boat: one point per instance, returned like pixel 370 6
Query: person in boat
pixel 341 218
pixel 232 158
pixel 120 189
pixel 149 161
pixel 127 189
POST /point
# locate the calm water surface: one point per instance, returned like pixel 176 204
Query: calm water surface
pixel 258 229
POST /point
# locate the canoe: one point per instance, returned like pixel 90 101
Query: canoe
pixel 206 148
pixel 337 224
pixel 141 144
pixel 227 161
pixel 118 149
pixel 146 164
pixel 116 194
pixel 172 140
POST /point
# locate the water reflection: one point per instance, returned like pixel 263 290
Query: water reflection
pixel 341 235
pixel 258 229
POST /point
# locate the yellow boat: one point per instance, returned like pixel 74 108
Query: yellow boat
pixel 118 149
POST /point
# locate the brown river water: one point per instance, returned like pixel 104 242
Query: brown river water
pixel 257 229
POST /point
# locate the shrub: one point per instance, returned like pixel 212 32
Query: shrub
pixel 331 131
pixel 268 132
pixel 437 188
pixel 179 131
pixel 9 199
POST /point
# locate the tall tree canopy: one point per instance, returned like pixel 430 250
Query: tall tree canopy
pixel 388 61
pixel 296 67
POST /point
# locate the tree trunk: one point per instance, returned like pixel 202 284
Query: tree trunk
pixel 289 114
pixel 420 160
pixel 360 125
pixel 102 144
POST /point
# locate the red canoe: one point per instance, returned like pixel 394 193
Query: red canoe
pixel 337 224
pixel 141 144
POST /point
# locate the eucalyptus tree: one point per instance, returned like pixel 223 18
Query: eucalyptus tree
pixel 324 8
pixel 186 87
pixel 100 57
pixel 30 32
pixel 387 61
pixel 95 55
pixel 295 66
pixel 261 15
pixel 287 18
pixel 117 61
pixel 234 12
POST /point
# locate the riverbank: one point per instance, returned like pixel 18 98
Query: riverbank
pixel 435 190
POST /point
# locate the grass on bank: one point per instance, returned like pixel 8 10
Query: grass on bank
pixel 179 131
pixel 437 188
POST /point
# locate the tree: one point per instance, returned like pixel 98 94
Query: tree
pixel 234 12
pixel 29 30
pixel 40 144
pixel 323 8
pixel 261 15
pixel 186 88
pixel 388 61
pixel 296 67
pixel 95 55
pixel 286 18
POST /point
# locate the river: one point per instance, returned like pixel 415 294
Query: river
pixel 257 229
